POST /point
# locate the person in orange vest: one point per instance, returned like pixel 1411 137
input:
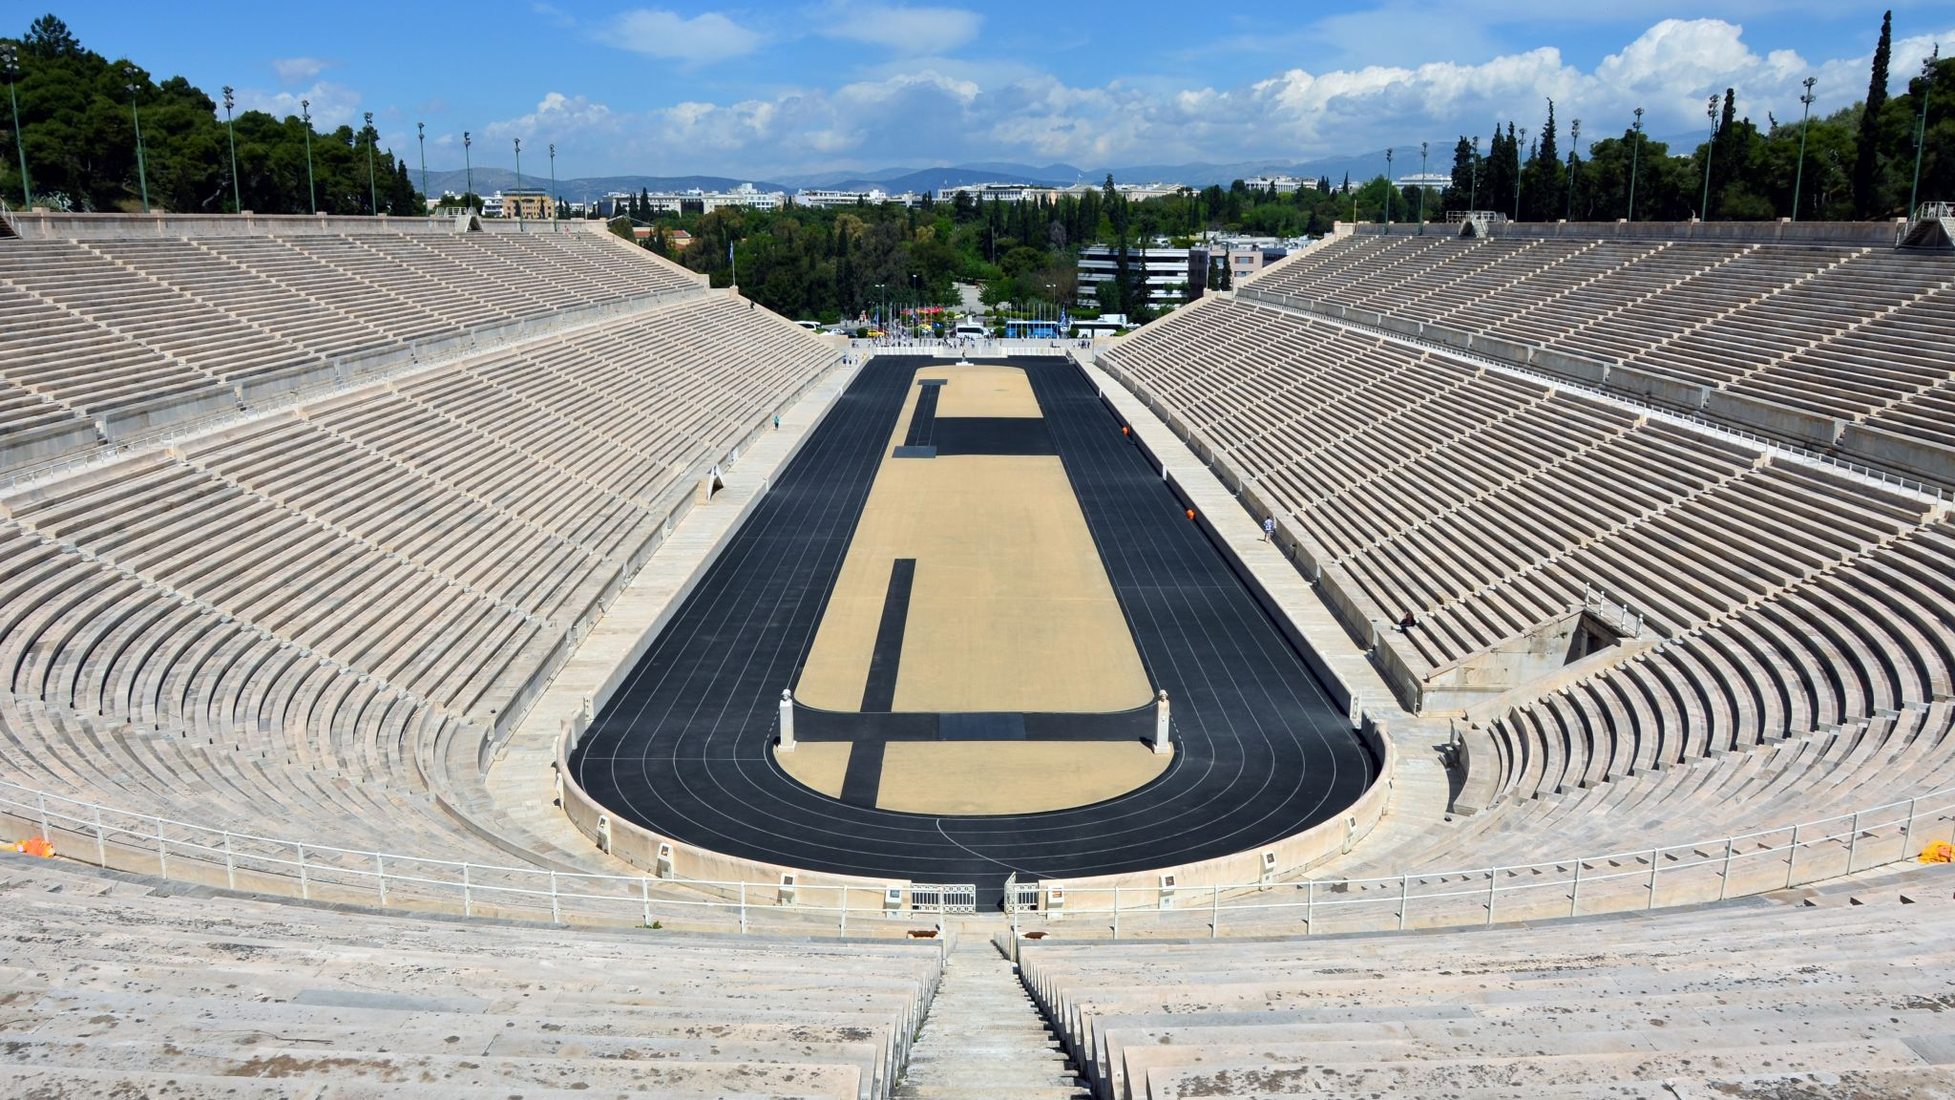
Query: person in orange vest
pixel 1191 515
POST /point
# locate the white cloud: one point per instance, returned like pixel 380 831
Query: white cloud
pixel 556 16
pixel 298 70
pixel 332 105
pixel 900 29
pixel 945 111
pixel 557 114
pixel 670 36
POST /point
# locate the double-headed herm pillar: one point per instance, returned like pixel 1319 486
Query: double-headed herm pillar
pixel 787 721
pixel 1162 745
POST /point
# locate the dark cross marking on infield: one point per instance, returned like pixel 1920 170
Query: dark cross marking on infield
pixel 919 441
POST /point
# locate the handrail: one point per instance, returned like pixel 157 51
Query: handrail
pixel 140 842
pixel 131 840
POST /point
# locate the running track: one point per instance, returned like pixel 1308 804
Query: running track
pixel 683 748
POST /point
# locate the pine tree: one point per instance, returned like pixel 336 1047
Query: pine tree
pixel 1460 193
pixel 1865 156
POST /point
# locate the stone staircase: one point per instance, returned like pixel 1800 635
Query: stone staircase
pixel 984 1039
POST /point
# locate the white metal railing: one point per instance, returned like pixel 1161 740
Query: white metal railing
pixel 169 848
pixel 1633 878
pixel 989 348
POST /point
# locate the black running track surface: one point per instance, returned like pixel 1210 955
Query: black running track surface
pixel 684 749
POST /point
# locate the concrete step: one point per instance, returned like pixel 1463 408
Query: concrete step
pixel 985 1038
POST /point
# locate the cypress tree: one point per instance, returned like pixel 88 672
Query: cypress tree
pixel 1864 157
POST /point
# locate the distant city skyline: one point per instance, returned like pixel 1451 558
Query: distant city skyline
pixel 785 92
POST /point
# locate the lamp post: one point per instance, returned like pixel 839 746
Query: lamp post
pixel 10 72
pixel 1921 134
pixel 556 215
pixel 1518 142
pixel 142 170
pixel 305 116
pixel 1574 142
pixel 1805 117
pixel 1473 176
pixel 1635 151
pixel 1422 187
pixel 1710 146
pixel 421 138
pixel 1388 189
pixel 231 132
pixel 373 193
pixel 468 173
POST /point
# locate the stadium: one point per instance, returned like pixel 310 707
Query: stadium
pixel 453 654
pixel 416 618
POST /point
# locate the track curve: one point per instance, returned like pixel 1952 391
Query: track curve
pixel 683 748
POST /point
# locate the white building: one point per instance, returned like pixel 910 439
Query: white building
pixel 1173 275
pixel 823 198
pixel 1284 184
pixel 993 192
pixel 1026 192
pixel 695 201
pixel 1436 180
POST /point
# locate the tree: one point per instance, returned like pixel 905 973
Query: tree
pixel 50 38
pixel 1459 194
pixel 1866 155
pixel 79 139
pixel 1542 181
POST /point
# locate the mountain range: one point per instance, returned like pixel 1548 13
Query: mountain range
pixel 896 180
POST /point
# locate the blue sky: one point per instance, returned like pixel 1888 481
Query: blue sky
pixel 782 90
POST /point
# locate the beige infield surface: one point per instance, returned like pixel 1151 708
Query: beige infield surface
pixel 1010 611
pixel 1019 777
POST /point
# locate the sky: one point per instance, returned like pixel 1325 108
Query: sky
pixel 784 91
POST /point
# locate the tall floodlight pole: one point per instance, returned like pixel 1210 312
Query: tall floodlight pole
pixel 1473 176
pixel 519 178
pixel 373 192
pixel 1388 189
pixel 305 116
pixel 10 72
pixel 468 173
pixel 556 215
pixel 1635 151
pixel 1422 187
pixel 231 131
pixel 1805 117
pixel 1710 146
pixel 142 170
pixel 1574 142
pixel 421 137
pixel 1921 135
